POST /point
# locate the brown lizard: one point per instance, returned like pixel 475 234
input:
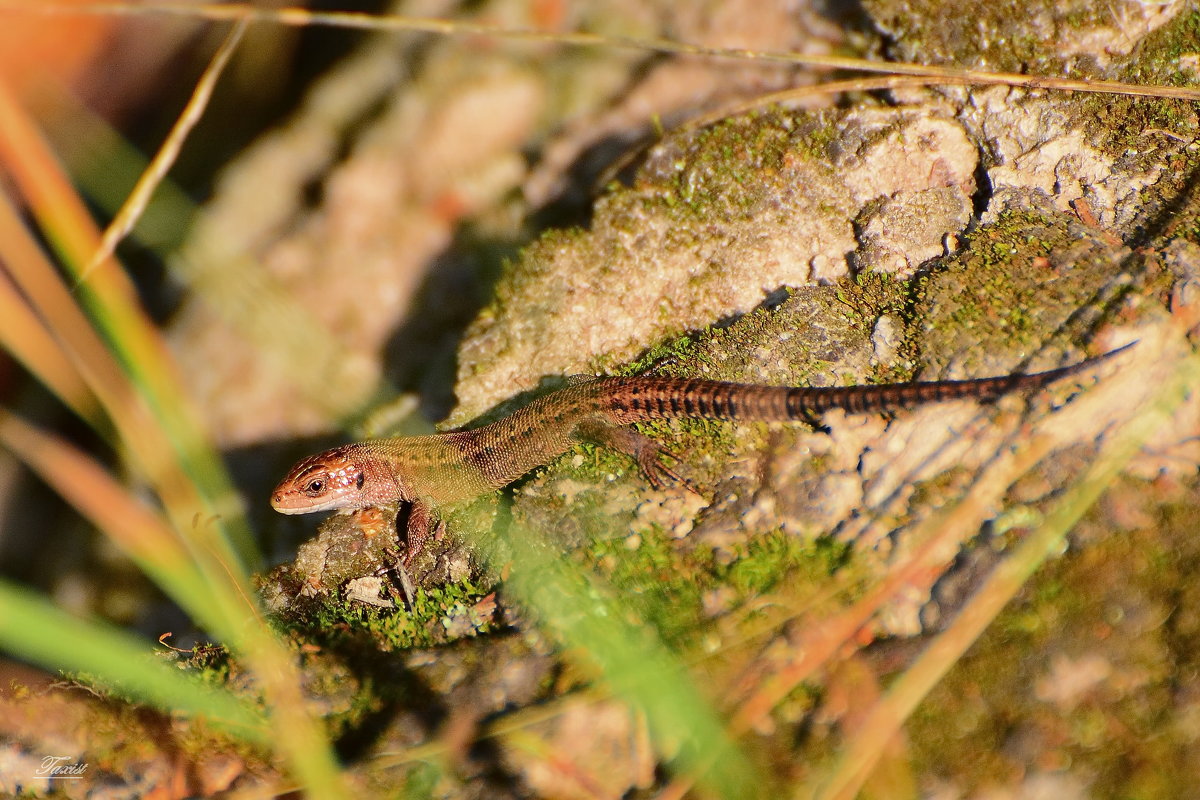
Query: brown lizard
pixel 435 470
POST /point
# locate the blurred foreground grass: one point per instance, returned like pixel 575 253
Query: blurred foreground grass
pixel 70 315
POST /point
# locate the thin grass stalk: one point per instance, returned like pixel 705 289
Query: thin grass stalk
pixel 827 638
pixel 356 20
pixel 137 429
pixel 289 341
pixel 135 204
pixel 633 664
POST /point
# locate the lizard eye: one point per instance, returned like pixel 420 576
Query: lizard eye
pixel 315 487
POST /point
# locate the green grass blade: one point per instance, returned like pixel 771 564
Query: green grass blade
pixel 224 605
pixel 587 618
pixel 43 634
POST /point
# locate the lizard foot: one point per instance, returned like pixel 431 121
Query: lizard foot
pixel 648 453
pixel 650 461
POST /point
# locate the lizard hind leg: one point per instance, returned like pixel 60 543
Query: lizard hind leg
pixel 648 453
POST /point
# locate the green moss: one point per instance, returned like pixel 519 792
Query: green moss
pixel 665 583
pixel 658 585
pixel 674 349
pixel 776 556
pixel 437 614
pixel 999 34
pixel 1004 289
pixel 1123 126
pixel 871 295
pixel 589 463
pixel 1157 59
pixel 520 278
pixel 421 781
pixel 816 133
pixel 736 153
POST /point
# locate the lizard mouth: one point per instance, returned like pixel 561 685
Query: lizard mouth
pixel 279 502
pixel 284 504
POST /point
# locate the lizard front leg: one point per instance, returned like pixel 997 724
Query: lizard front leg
pixel 420 524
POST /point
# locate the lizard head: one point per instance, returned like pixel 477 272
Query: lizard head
pixel 341 479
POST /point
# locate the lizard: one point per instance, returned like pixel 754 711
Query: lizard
pixel 440 469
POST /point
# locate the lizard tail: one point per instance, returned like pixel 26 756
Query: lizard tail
pixel 721 400
pixel 880 397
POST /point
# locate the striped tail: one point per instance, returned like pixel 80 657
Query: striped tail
pixel 648 398
pixel 881 397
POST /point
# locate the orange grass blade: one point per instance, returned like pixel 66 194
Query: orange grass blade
pixel 137 530
pixel 220 596
pixel 176 452
pixel 40 282
pixel 24 336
